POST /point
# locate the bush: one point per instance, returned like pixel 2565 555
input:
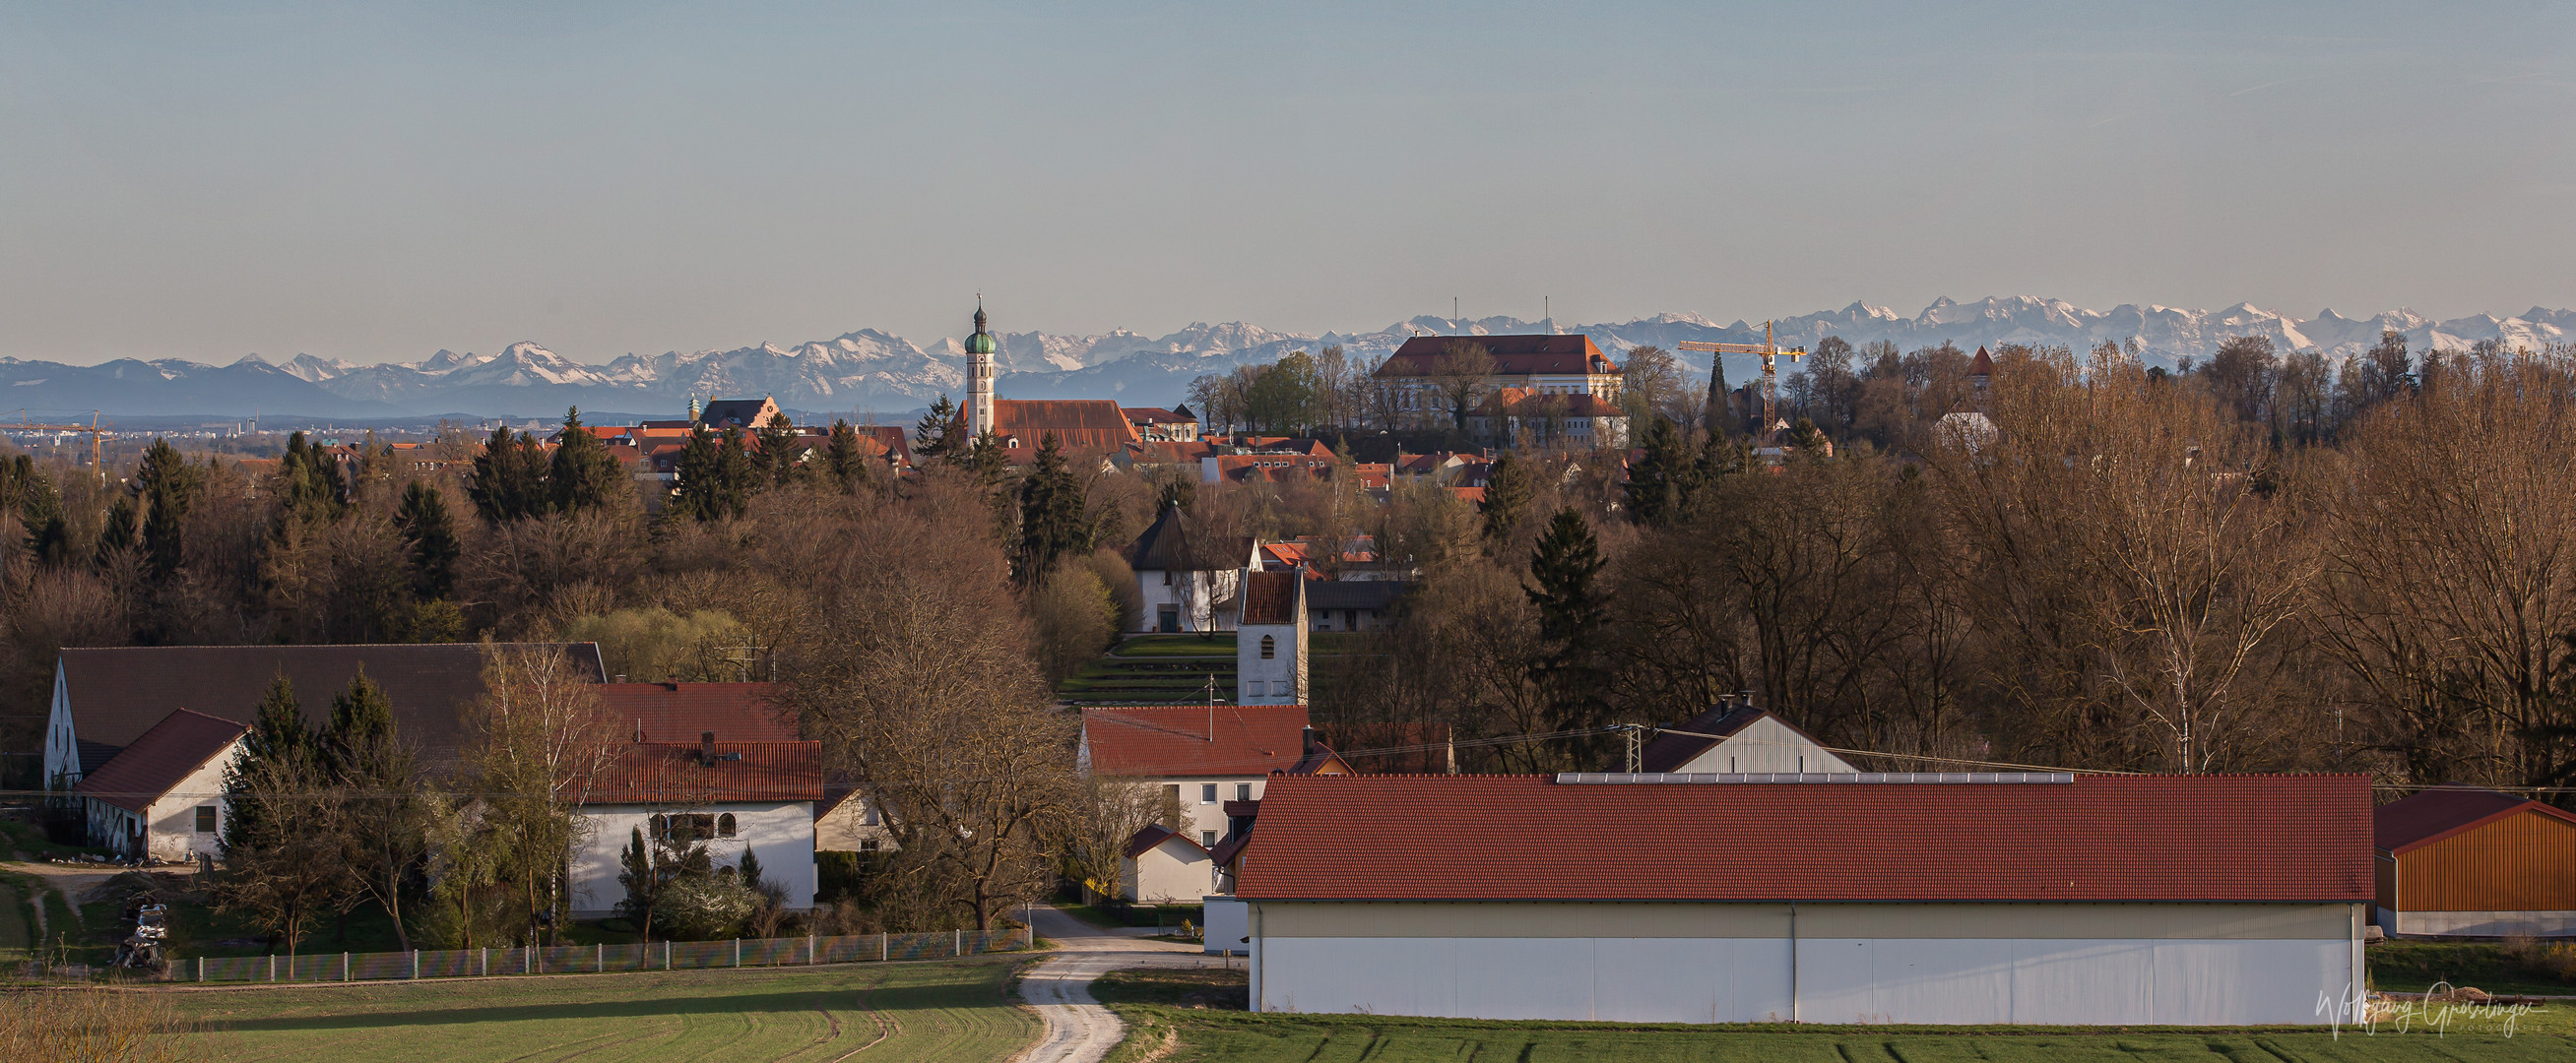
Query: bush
pixel 704 908
pixel 86 1025
pixel 2546 961
pixel 838 875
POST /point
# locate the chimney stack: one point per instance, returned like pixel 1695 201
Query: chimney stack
pixel 706 747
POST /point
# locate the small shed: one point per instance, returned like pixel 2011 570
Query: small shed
pixel 2476 863
pixel 1163 866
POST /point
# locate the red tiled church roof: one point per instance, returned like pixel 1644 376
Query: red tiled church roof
pixel 2098 838
pixel 1270 598
pixel 1155 741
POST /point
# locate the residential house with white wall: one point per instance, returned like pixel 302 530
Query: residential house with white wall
pixel 162 796
pixel 1184 585
pixel 1734 737
pixel 734 797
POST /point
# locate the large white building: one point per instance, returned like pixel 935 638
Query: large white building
pixel 1987 899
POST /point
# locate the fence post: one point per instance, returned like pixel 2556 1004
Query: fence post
pixel 534 963
pixel 957 942
pixel 201 968
pixel 809 950
pixel 885 947
pixel 272 966
pixel 737 952
pixel 415 964
pixel 599 956
pixel 344 966
pixel 666 955
pixel 486 960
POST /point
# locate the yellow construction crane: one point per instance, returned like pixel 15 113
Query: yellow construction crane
pixel 95 430
pixel 1770 377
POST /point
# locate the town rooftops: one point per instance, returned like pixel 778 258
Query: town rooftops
pixel 678 774
pixel 1079 425
pixel 2216 838
pixel 745 414
pixel 1380 594
pixel 1161 741
pixel 1513 355
pixel 160 759
pixel 1156 415
pixel 680 712
pixel 2432 815
pixel 118 693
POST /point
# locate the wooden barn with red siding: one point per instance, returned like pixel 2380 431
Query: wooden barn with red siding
pixel 2475 863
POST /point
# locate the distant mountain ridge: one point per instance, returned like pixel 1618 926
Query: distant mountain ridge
pixel 871 370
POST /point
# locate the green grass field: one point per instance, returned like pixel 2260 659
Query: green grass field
pixel 1181 1016
pixel 954 1010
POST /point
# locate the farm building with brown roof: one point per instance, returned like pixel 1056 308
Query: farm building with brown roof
pixel 2474 862
pixel 1991 898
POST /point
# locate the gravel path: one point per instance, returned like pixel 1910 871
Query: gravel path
pixel 1078 1029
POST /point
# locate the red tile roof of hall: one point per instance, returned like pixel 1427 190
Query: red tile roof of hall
pixel 1166 452
pixel 1162 741
pixel 1513 355
pixel 159 759
pixel 674 774
pixel 1078 424
pixel 1270 597
pixel 1155 415
pixel 2279 838
pixel 1282 445
pixel 2429 816
pixel 680 712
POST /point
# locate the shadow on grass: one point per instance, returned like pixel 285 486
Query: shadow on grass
pixel 928 996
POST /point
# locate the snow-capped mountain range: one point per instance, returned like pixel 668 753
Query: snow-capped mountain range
pixel 872 371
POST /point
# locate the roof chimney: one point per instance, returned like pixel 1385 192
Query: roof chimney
pixel 706 747
pixel 1306 741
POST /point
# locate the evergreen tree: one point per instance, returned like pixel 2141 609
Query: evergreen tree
pixel 1507 494
pixel 583 475
pixel 169 485
pixel 737 474
pixel 1570 605
pixel 750 869
pixel 1571 608
pixel 699 495
pixel 426 525
pixel 39 507
pixel 508 481
pixel 1662 482
pixel 277 756
pixel 844 460
pixel 778 451
pixel 361 730
pixel 642 879
pixel 307 482
pixel 1051 515
pixel 119 534
pixel 939 433
pixel 990 464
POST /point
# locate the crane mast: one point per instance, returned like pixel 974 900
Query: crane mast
pixel 1768 350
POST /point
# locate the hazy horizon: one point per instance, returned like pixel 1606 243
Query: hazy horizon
pixel 379 182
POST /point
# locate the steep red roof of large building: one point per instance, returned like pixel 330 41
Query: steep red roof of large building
pixel 2430 816
pixel 159 759
pixel 680 712
pixel 1152 741
pixel 677 775
pixel 2098 838
pixel 1513 355
pixel 1078 424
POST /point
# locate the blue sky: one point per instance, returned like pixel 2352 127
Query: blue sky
pixel 379 181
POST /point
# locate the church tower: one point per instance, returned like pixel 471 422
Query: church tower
pixel 979 378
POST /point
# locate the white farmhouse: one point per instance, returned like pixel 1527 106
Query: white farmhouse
pixel 162 797
pixel 1186 585
pixel 735 797
pixel 2044 898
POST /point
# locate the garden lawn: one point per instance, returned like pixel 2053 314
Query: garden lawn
pixel 956 1010
pixel 1182 1016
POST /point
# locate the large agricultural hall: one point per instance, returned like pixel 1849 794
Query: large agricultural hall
pixel 2041 898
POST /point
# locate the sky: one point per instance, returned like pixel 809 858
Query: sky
pixel 379 181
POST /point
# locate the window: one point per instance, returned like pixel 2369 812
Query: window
pixel 1269 646
pixel 867 845
pixel 724 825
pixel 205 819
pixel 1207 793
pixel 685 827
pixel 1243 791
pixel 868 816
pixel 1167 577
pixel 1207 838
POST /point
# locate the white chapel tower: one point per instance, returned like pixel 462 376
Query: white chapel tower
pixel 979 378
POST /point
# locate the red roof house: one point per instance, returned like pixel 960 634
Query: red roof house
pixel 162 795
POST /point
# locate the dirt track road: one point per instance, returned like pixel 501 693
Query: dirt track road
pixel 1078 1029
